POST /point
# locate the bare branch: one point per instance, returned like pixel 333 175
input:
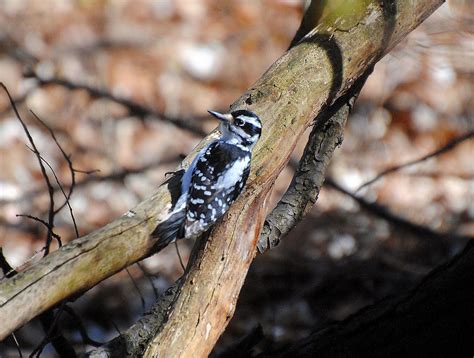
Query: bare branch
pixel 419 230
pixel 51 213
pixel 7 270
pixel 304 189
pixel 134 341
pixel 133 108
pixel 149 278
pixel 50 323
pixel 135 285
pixel 117 176
pixel 48 320
pixel 17 345
pixel 179 256
pixel 67 158
pixel 48 228
pixel 445 148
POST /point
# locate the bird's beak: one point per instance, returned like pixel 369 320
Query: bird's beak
pixel 226 118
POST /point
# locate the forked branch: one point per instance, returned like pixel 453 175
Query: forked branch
pixel 304 81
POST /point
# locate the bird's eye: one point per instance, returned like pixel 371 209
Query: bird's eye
pixel 239 122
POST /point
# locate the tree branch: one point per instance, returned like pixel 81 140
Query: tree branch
pixel 115 176
pixel 133 108
pixel 184 317
pixel 445 148
pixel 308 179
pixel 439 239
pixel 34 149
pixel 287 97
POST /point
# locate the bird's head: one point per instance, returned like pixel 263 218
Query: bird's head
pixel 241 126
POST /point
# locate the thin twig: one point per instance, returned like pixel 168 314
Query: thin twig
pixel 50 322
pixel 20 354
pixel 179 256
pixel 48 228
pixel 142 299
pixel 18 101
pixel 67 158
pixel 445 148
pixel 114 177
pixel 132 107
pixel 7 270
pixel 51 212
pixel 48 319
pixel 150 279
pixel 59 185
pixel 400 222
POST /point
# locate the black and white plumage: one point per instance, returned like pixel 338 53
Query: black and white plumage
pixel 214 179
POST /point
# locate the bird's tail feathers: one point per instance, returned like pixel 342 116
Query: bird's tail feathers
pixel 169 231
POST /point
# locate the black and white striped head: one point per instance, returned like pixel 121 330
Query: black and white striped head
pixel 242 127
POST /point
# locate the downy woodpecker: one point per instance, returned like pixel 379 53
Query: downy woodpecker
pixel 214 179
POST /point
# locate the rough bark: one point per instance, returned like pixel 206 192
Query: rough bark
pixel 436 319
pixel 303 190
pixel 307 78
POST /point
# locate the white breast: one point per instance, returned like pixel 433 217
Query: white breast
pixel 233 173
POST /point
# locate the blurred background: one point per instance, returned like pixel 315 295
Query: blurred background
pixel 111 78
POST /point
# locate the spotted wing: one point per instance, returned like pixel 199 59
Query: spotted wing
pixel 218 178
